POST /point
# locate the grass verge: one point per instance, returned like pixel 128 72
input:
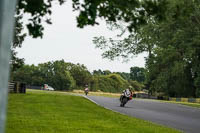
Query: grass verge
pixel 41 112
pixel 98 93
pixel 196 105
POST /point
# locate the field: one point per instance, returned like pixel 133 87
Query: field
pixel 53 112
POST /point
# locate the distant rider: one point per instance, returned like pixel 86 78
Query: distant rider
pixel 86 90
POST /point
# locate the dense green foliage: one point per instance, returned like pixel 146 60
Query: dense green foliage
pixel 173 45
pixel 80 74
pixel 109 83
pixel 59 74
pixel 133 12
pixel 68 76
pixel 40 112
pixel 137 74
pixel 174 66
pixel 137 85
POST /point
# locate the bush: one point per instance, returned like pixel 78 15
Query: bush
pixel 136 85
pixel 108 83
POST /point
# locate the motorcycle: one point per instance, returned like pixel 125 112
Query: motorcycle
pixel 86 91
pixel 124 99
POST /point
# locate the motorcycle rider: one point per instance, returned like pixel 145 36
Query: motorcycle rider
pixel 86 89
pixel 127 95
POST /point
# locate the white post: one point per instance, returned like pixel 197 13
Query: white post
pixel 7 10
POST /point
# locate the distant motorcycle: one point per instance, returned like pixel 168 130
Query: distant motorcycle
pixel 86 91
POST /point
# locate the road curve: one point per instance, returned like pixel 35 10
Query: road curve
pixel 184 118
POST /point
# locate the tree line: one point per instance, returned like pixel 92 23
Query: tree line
pixel 68 76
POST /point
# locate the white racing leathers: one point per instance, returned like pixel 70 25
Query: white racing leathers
pixel 127 93
pixel 124 98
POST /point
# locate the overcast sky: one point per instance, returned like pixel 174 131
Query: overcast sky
pixel 63 40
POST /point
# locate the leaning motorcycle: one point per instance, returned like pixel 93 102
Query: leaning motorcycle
pixel 124 99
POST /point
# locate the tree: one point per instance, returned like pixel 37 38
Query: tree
pixel 136 85
pixel 127 47
pixel 124 75
pixel 51 73
pixel 137 74
pixel 61 78
pixel 39 11
pixel 173 67
pixel 28 74
pixel 16 62
pixel 172 44
pixel 106 72
pixel 80 74
pixel 132 12
pixel 98 72
pixel 168 74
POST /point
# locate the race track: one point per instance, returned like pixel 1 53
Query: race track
pixel 177 116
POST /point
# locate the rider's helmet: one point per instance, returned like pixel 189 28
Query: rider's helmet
pixel 130 87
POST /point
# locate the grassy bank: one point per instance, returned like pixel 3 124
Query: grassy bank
pixel 41 112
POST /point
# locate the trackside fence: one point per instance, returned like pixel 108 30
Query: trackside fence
pixel 16 87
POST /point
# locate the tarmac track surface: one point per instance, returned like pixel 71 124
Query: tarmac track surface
pixel 184 118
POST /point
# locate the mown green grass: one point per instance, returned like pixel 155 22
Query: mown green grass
pixel 60 113
pixel 197 105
